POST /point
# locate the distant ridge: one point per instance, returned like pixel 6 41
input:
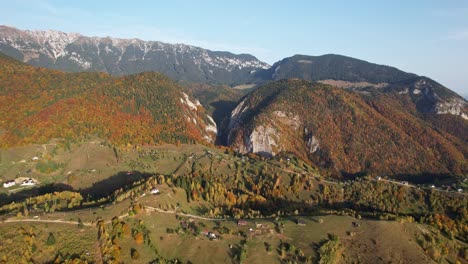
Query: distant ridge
pixel 75 53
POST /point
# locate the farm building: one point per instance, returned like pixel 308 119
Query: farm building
pixel 28 182
pixel 8 184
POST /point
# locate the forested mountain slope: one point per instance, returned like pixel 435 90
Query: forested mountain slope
pixel 346 132
pixel 38 104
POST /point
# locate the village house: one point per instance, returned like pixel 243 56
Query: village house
pixel 154 191
pixel 212 235
pixel 28 182
pixel 8 184
pixel 241 223
pixel 209 234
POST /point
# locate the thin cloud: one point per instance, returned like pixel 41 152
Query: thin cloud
pixel 460 12
pixel 460 35
pixel 60 11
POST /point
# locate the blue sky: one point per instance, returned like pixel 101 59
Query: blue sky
pixel 421 36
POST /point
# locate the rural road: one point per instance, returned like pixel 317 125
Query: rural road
pixel 149 208
pixel 59 221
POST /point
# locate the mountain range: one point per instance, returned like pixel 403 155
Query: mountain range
pixel 344 115
pixel 73 52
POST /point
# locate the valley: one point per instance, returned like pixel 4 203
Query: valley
pixel 118 150
pixel 181 214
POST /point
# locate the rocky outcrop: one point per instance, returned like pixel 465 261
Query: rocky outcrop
pixel 262 140
pixel 454 107
pixel 193 112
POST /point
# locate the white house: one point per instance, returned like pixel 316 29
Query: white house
pixel 28 182
pixel 154 191
pixel 35 158
pixel 8 184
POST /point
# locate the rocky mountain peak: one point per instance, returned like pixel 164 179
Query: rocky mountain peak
pixel 74 52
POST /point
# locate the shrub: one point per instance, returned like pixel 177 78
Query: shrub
pixel 50 240
pixel 134 253
pixel 139 238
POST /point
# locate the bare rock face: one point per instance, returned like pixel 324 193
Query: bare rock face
pixel 454 107
pixel 192 107
pixel 236 115
pixel 313 144
pixel 429 98
pixel 262 141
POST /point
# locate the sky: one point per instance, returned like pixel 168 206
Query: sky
pixel 426 37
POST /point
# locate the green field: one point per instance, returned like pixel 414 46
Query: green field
pixel 174 224
pixel 370 242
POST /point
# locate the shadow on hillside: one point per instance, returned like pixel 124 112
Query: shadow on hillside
pixel 352 176
pixel 424 178
pixel 124 180
pixel 30 192
pixel 420 178
pixel 221 115
pixel 98 190
pixel 106 187
pixel 201 209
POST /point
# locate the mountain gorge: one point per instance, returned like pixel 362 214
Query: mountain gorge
pixel 73 52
